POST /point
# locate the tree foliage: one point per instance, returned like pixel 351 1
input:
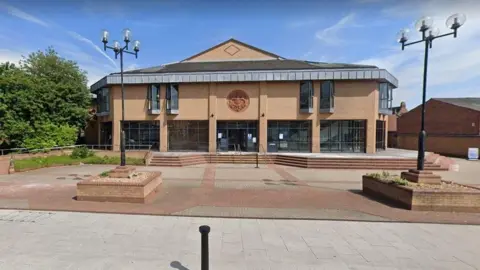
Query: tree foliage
pixel 44 101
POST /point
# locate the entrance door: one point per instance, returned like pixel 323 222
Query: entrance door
pixel 237 139
pixel 237 136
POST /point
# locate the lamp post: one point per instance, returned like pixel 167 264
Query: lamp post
pixel 120 50
pixel 429 33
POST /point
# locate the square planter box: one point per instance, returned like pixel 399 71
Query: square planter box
pixel 114 190
pixel 423 200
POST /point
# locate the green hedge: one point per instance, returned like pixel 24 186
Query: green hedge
pixel 41 162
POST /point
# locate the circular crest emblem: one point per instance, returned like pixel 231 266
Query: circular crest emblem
pixel 238 100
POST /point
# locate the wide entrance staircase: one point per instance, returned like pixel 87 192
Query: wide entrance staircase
pixel 433 162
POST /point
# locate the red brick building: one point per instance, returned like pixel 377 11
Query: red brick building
pixel 452 125
pixel 392 124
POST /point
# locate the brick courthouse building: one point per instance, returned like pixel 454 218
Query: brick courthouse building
pixel 234 96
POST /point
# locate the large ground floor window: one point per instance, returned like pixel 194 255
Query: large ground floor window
pixel 237 136
pixel 186 135
pixel 289 136
pixel 142 135
pixel 342 135
pixel 380 135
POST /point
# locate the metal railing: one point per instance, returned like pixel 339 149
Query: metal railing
pixel 13 151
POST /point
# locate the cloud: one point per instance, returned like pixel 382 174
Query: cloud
pixel 11 56
pixel 93 45
pixel 329 35
pixel 132 67
pixel 453 63
pixel 24 16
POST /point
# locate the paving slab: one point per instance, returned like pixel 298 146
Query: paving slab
pixel 65 240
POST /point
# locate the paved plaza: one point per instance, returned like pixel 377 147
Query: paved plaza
pixel 66 240
pixel 227 190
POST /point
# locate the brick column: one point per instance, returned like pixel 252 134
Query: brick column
pixel 163 120
pixel 116 135
pixel 371 124
pixel 386 118
pixel 316 118
pixel 262 120
pixel 212 121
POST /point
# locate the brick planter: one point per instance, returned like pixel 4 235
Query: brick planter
pixel 109 190
pixel 423 200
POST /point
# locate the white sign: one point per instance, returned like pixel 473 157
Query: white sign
pixel 249 136
pixel 254 139
pixel 219 135
pixel 280 136
pixel 472 153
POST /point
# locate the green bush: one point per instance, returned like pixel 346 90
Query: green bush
pixel 104 174
pixel 389 178
pixel 49 135
pixel 400 181
pixel 81 152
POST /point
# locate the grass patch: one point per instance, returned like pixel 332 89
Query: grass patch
pixel 63 160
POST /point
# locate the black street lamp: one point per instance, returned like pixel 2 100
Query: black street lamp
pixel 429 33
pixel 120 50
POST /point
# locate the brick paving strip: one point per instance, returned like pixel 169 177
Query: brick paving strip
pixel 208 180
pixel 207 199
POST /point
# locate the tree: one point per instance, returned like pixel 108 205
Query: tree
pixel 45 95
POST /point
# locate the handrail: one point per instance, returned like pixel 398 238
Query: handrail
pixel 148 156
pixel 36 150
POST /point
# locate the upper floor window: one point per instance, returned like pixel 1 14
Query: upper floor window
pixel 153 93
pixel 327 94
pixel 103 100
pixel 172 98
pixel 306 96
pixel 385 96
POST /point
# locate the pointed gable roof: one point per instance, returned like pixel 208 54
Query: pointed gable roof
pixel 232 49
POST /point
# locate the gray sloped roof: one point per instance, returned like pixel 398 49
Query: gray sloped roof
pixel 467 102
pixel 212 66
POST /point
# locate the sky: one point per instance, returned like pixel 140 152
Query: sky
pixel 345 31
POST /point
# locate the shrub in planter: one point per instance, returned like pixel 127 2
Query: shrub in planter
pixel 389 178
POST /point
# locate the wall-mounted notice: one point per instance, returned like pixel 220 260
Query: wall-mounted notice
pixel 254 139
pixel 472 153
pixel 249 136
pixel 219 135
pixel 280 136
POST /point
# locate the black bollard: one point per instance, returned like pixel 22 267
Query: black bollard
pixel 257 162
pixel 204 230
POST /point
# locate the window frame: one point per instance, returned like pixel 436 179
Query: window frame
pixel 168 97
pixel 385 98
pixel 331 97
pixel 309 94
pixel 103 101
pixel 151 98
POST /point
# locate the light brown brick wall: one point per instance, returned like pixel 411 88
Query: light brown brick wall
pixel 354 100
pixel 219 53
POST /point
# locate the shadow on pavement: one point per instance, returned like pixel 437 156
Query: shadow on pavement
pixel 376 199
pixel 178 265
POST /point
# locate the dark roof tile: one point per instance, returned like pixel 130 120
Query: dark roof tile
pixel 467 102
pixel 276 64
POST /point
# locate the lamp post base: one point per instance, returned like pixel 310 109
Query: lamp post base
pixel 422 177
